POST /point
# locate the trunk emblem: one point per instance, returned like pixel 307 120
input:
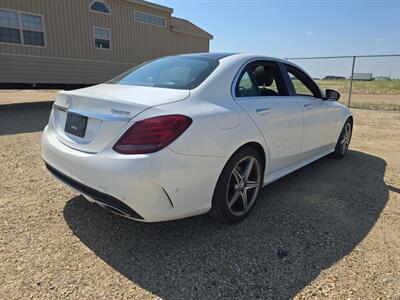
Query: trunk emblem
pixel 115 111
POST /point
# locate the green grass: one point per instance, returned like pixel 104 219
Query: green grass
pixel 375 87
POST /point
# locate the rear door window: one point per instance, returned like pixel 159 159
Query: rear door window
pixel 263 79
pixel 246 87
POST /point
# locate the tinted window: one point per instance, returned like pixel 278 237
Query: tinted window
pixel 169 72
pixel 33 38
pixel 9 35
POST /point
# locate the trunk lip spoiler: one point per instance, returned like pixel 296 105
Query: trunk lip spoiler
pixel 100 116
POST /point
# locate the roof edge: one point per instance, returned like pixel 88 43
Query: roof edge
pixel 152 5
pixel 206 36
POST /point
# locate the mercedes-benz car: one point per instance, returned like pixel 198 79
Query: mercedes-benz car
pixel 192 134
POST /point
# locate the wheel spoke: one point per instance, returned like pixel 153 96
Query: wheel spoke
pixel 243 195
pixel 248 169
pixel 252 185
pixel 244 183
pixel 237 175
pixel 347 131
pixel 234 198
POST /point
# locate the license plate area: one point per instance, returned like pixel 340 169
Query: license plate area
pixel 76 124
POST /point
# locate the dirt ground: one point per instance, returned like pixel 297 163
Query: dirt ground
pixel 24 96
pixel 329 230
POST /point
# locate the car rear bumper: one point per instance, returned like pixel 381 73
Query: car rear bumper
pixel 157 187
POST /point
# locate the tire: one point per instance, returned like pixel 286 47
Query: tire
pixel 238 186
pixel 342 145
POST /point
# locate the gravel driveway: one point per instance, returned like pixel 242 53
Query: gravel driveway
pixel 331 229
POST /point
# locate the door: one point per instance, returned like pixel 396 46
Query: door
pixel 319 115
pixel 261 91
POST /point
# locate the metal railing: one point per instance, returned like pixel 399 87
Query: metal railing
pixel 353 57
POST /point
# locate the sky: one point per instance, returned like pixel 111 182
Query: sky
pixel 303 28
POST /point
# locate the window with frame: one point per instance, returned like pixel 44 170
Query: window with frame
pixel 100 7
pixel 246 87
pixel 102 38
pixel 303 85
pixel 142 17
pixel 21 28
pixel 261 79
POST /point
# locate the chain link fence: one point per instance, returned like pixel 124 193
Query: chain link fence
pixel 364 81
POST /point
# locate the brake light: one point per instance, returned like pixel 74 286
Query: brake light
pixel 152 135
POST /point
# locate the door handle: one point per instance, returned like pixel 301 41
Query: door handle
pixel 309 106
pixel 263 111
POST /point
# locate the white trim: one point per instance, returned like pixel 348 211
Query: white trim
pixel 99 12
pixel 20 28
pixel 153 15
pixel 94 39
pixel 152 5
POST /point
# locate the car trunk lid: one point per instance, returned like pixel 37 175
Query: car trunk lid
pixel 101 113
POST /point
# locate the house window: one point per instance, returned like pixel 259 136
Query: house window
pixel 102 38
pixel 146 18
pixel 21 28
pixel 101 7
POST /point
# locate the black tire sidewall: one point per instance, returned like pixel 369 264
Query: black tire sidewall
pixel 338 150
pixel 220 208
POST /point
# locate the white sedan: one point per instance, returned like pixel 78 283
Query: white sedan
pixel 190 134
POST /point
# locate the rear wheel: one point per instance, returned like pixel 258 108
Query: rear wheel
pixel 238 186
pixel 342 145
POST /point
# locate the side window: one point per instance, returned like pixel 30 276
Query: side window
pixel 245 87
pixel 268 79
pixel 303 85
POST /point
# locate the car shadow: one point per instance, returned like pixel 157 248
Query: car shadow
pixel 24 117
pixel 301 225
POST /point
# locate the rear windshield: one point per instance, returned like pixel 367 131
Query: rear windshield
pixel 177 72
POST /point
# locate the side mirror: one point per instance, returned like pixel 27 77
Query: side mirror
pixel 332 95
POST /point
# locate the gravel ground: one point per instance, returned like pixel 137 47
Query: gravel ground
pixel 329 230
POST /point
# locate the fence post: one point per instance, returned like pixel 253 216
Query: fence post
pixel 351 81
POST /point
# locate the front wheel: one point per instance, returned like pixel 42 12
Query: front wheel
pixel 342 145
pixel 238 186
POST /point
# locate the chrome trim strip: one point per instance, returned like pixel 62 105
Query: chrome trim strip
pixel 60 107
pixel 99 116
pixel 103 117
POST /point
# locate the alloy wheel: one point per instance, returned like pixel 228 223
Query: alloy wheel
pixel 243 186
pixel 345 142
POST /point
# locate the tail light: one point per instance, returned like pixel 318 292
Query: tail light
pixel 153 134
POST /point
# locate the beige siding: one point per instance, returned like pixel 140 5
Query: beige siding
pixel 69 34
pixel 35 69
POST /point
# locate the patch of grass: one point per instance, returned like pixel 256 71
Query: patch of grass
pixel 375 87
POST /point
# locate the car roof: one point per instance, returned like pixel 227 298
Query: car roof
pixel 212 55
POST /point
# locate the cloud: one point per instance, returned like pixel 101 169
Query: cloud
pixel 308 32
pixel 378 40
